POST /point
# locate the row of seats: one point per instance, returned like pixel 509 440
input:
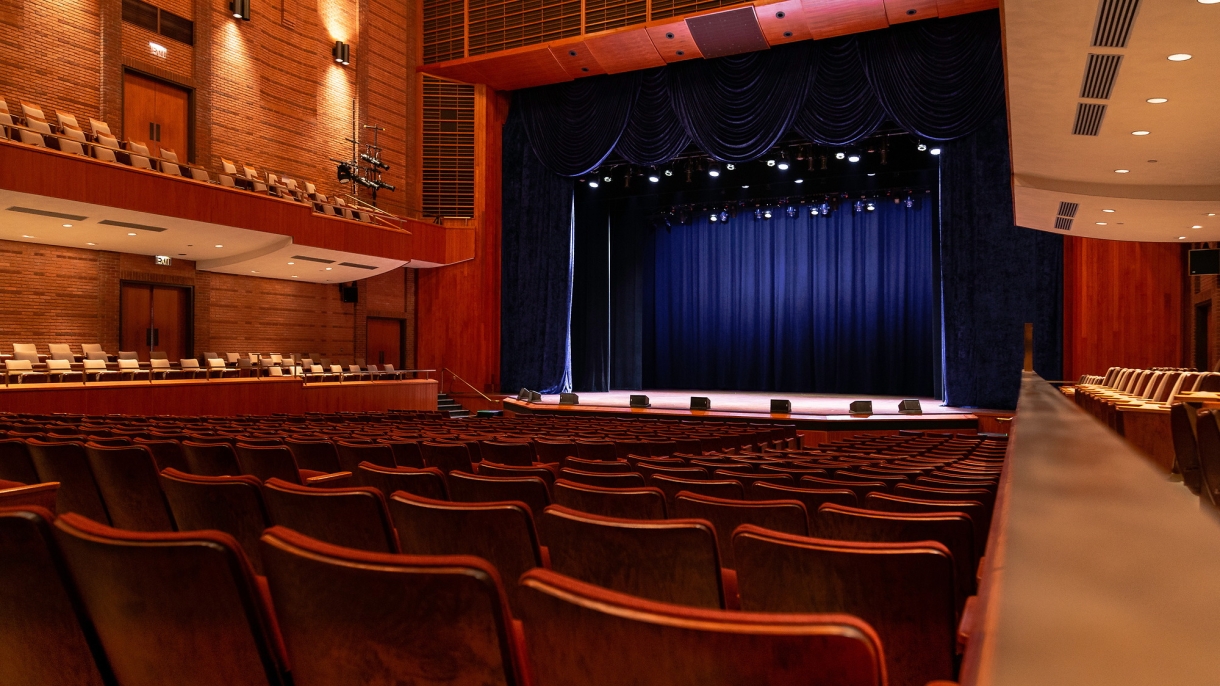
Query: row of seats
pixel 32 127
pixel 662 548
pixel 1120 387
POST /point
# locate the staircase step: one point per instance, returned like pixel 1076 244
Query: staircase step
pixel 457 413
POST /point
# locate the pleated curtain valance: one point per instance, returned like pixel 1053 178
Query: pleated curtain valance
pixel 940 79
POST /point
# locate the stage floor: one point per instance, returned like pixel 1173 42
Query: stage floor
pixel 803 404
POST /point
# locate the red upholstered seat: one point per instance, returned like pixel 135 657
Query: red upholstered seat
pixel 353 517
pixel 578 633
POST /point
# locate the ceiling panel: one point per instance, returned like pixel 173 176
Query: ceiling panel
pixel 673 41
pixel 624 50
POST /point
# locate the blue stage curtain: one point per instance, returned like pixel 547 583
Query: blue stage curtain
pixel 536 270
pixel 591 293
pixel 841 107
pixel 995 277
pixel 799 304
pixel 737 108
pixel 939 79
pixel 654 134
pixel 572 127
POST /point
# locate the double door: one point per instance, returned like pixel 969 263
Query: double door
pixel 156 113
pixel 157 318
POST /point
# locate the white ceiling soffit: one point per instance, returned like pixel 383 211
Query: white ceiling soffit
pixel 1080 75
pixel 213 247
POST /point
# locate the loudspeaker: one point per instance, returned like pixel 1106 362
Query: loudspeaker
pixel 861 407
pixel 698 403
pixel 1204 262
pixel 535 397
pixel 779 406
pixel 349 294
pixel 640 401
pixel 569 399
pixel 910 407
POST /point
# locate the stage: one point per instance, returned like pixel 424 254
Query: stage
pixel 818 415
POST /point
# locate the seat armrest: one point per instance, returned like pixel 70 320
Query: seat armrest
pixel 333 480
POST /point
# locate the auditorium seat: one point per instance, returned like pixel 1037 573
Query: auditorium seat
pixel 46 639
pixel 210 459
pixel 550 451
pixel 540 470
pixel 596 450
pixel 446 456
pixel 860 487
pixel 644 502
pixel 671 561
pixel 979 515
pixel 173 608
pixel 471 488
pixel 811 497
pixel 511 454
pixel 16 494
pixel 22 371
pixel 273 462
pixel 352 454
pixel 982 495
pixel 726 515
pixel 502 533
pixel 68 464
pixel 232 504
pixel 600 466
pixel 1185 445
pixel 604 479
pixel 671 486
pixel 320 456
pixel 62 351
pixel 749 478
pixel 428 482
pixel 15 463
pixel 578 633
pixel 353 517
pixel 953 530
pixel 905 591
pixel 127 480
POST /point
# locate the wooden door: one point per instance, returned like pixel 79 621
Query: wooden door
pixel 384 343
pixel 155 318
pixel 156 113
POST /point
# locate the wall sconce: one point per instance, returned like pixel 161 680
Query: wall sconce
pixel 342 52
pixel 240 9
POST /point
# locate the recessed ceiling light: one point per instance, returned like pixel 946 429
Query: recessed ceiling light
pixel 1211 214
pixel 130 234
pixel 1122 171
pixel 91 244
pixel 1158 101
pixel 329 268
pixel 1107 210
pixel 1140 133
pixel 872 174
pixel 291 263
pixel 1208 2
pixel 67 226
pixel 853 158
pixel 1197 226
pixel 746 186
pixel 218 245
pixel 1181 238
pixel 26 235
pixel 253 271
pixel 1101 223
pixel 1179 57
pixel 294 276
pixel 800 180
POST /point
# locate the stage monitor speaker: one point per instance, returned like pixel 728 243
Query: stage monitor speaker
pixel 523 395
pixel 569 399
pixel 1204 262
pixel 779 406
pixel 910 407
pixel 535 397
pixel 861 407
pixel 700 403
pixel 489 413
pixel 640 401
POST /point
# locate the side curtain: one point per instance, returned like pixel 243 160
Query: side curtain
pixel 536 270
pixel 995 277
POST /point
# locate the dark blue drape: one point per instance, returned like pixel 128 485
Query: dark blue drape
pixel 802 304
pixel 995 277
pixel 940 79
pixel 536 269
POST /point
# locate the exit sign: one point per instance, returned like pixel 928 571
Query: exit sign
pixel 164 260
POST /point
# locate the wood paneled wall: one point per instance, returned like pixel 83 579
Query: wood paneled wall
pixel 1124 303
pixel 458 306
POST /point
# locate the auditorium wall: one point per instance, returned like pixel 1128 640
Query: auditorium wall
pixel 1124 305
pixel 50 294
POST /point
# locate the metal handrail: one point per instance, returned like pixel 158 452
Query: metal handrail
pixel 472 386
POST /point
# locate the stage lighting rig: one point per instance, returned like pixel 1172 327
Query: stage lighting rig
pixel 364 168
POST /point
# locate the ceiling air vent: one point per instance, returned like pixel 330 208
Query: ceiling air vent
pixel 1099 76
pixel 1063 223
pixel 731 32
pixel 1088 119
pixel 1068 209
pixel 1114 19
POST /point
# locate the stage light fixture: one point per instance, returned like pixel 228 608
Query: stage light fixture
pixel 730 166
pixel 770 163
pixel 766 214
pixel 935 151
pixel 724 216
pixel 840 155
pixel 791 211
pixel 593 184
pixel 714 217
pixel 859 206
pixel 813 211
pixel 669 172
pixel 758 214
pixel 240 9
pixel 921 147
pixel 607 179
pixel 909 202
pixel 800 181
pixel 825 208
pixel 853 158
pixel 783 161
pixel 654 178
pixel 869 206
pixel 713 169
pixel 342 52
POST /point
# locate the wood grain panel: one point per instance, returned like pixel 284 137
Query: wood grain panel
pixel 829 18
pixel 673 41
pixel 220 397
pixel 575 58
pixel 624 50
pixel 950 8
pixel 139 109
pixel 1123 305
pixel 791 27
pixel 135 306
pixel 458 307
pixel 901 11
pixel 173 118
pixel 522 68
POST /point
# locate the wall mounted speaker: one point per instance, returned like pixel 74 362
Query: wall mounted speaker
pixel 640 401
pixel 861 407
pixel 698 403
pixel 569 399
pixel 780 406
pixel 910 407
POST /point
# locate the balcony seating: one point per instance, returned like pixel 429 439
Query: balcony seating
pixel 197 594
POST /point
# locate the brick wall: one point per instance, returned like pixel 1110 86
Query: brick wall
pixel 50 294
pixel 50 54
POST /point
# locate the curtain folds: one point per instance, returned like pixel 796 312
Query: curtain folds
pixel 940 79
